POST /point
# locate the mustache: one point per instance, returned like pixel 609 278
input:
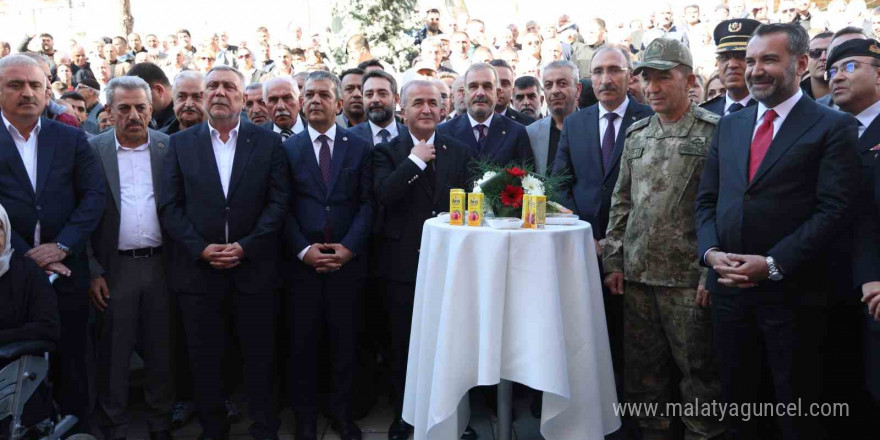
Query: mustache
pixel 607 88
pixel 281 112
pixel 190 108
pixel 480 100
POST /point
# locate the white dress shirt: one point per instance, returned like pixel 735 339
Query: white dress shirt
pixel 474 124
pixel 224 153
pixel 867 116
pixel 392 131
pixel 138 219
pixel 27 149
pixel 620 111
pixel 782 111
pixel 296 129
pixel 421 164
pixel 316 144
pixel 729 101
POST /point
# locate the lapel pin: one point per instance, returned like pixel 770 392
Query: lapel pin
pixel 443 146
pixel 161 145
pixel 503 132
pixel 345 138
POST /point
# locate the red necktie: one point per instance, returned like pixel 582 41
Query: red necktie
pixel 761 143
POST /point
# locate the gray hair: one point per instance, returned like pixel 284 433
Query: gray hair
pixel 328 76
pixel 185 76
pixel 416 83
pixel 225 68
pixel 285 79
pixel 480 66
pixel 253 86
pixel 19 60
pixel 126 83
pixel 623 52
pixel 575 73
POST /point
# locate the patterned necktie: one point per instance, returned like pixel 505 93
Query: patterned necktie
pixel 481 141
pixel 761 143
pixel 384 134
pixel 735 107
pixel 285 133
pixel 608 141
pixel 324 159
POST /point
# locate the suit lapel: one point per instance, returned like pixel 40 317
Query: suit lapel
pixel 743 127
pixel 156 152
pixel 497 133
pixel 107 151
pixel 10 153
pixel 871 137
pixel 629 116
pixel 244 146
pixel 465 133
pixel 206 152
pixel 45 152
pixel 441 170
pixel 340 149
pixel 799 120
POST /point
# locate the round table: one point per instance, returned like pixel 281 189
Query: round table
pixel 509 305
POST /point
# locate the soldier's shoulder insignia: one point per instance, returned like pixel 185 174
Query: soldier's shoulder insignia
pixel 706 115
pixel 712 101
pixel 638 125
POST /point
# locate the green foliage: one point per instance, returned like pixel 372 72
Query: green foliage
pixel 388 25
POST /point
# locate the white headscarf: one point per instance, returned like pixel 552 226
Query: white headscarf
pixel 6 254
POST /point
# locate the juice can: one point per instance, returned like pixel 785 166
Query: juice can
pixel 475 209
pixel 456 206
pixel 525 211
pixel 540 211
pixel 533 207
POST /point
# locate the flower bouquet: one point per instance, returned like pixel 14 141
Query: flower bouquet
pixel 503 188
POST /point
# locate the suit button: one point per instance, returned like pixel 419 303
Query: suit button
pixel 604 188
pixel 39 208
pixel 227 209
pixel 433 212
pixel 327 209
pixel 748 197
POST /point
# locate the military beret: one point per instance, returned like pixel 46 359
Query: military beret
pixel 853 48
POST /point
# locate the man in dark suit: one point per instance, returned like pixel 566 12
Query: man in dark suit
pixel 490 136
pixel 561 81
pixel 224 197
pixel 505 95
pixel 282 99
pixel 853 78
pixel 381 98
pixel 128 282
pixel 160 87
pixel 590 145
pixel 52 188
pixel 326 236
pixel 731 38
pixel 188 94
pixel 412 177
pixel 777 186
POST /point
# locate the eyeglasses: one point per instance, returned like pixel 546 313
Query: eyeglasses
pixel 848 67
pixel 727 56
pixel 247 55
pixel 611 71
pixel 816 53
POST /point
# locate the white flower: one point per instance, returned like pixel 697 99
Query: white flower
pixel 488 175
pixel 532 185
pixel 477 188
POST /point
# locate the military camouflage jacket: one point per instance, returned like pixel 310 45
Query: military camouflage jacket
pixel 652 235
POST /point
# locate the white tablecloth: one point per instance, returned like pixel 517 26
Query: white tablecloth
pixel 522 305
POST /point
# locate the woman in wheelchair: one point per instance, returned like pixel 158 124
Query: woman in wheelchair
pixel 28 328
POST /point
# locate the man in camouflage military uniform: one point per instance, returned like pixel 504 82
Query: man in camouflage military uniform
pixel 652 244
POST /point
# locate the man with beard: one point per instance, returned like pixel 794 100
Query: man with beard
pixel 505 93
pixel 282 99
pixel 136 46
pixel 163 105
pixel 154 48
pixel 254 105
pixel 188 92
pixel 731 38
pixel 780 181
pixel 352 99
pixel 491 137
pixel 412 186
pixel 528 97
pixel 664 28
pixel 81 66
pixel 380 92
pixel 47 46
pixel 431 27
pixel 815 85
pixel 458 97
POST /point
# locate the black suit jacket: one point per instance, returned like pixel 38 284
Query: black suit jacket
pixel 365 132
pixel 408 199
pixel 69 198
pixel 519 117
pixel 579 154
pixel 800 196
pixel 716 104
pixel 196 213
pixel 506 142
pixel 866 234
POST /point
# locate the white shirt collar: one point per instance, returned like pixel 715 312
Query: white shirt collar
pixel 620 110
pixel 867 116
pixel 729 101
pixel 233 132
pixel 298 125
pixel 34 132
pixel 416 141
pixel 474 122
pixel 392 129
pixel 331 133
pixel 784 107
pixel 141 147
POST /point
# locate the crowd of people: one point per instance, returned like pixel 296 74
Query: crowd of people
pixel 241 213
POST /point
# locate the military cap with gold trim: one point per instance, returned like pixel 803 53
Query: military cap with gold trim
pixel 733 35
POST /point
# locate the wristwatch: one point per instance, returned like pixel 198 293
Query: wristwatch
pixel 775 273
pixel 63 248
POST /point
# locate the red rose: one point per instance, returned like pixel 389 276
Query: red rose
pixel 517 172
pixel 512 196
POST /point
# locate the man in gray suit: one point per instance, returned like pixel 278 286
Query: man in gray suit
pixel 127 266
pixel 562 89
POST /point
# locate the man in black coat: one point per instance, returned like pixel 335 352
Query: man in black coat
pixel 223 200
pixel 412 177
pixel 777 186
